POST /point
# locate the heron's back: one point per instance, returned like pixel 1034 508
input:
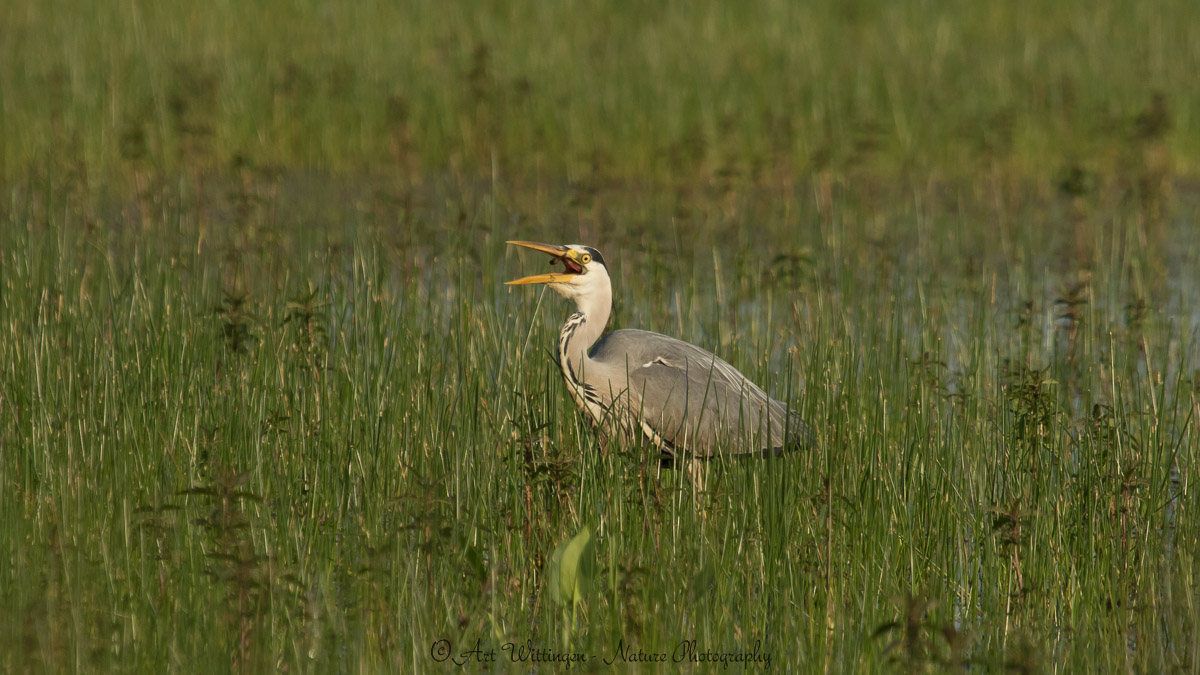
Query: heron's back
pixel 686 398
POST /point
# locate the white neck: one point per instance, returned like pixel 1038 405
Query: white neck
pixel 581 331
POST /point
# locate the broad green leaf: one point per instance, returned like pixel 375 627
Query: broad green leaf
pixel 571 569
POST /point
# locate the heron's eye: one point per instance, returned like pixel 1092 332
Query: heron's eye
pixel 585 258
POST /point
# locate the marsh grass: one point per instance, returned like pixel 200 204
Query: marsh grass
pixel 244 443
pixel 265 403
pixel 588 94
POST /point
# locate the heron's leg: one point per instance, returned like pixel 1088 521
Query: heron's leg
pixel 696 471
pixel 606 428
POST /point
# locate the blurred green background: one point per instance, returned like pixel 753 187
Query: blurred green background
pixel 768 91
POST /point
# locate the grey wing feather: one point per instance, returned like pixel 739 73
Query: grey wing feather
pixel 689 398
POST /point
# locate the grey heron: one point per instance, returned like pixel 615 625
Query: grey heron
pixel 684 399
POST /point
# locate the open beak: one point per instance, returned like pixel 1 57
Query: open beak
pixel 560 253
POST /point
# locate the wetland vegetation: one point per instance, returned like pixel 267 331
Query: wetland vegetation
pixel 266 404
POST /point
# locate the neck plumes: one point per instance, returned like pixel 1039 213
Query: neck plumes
pixel 580 332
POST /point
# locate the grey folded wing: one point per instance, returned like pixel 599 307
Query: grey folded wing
pixel 687 399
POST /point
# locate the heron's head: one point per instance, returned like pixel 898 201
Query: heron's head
pixel 583 274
